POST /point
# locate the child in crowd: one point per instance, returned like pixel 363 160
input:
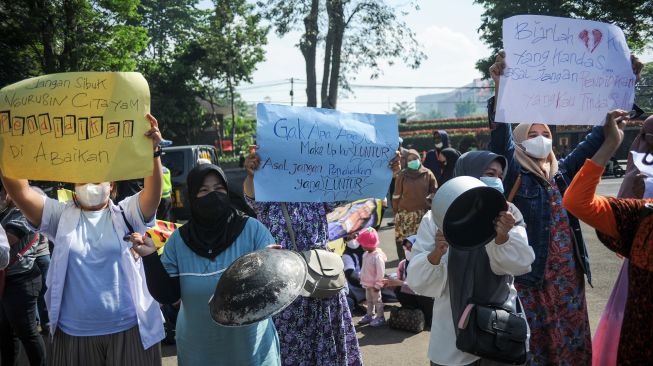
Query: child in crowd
pixel 372 272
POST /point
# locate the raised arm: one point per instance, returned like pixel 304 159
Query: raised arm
pixel 29 202
pixel 251 165
pixel 152 186
pixel 580 199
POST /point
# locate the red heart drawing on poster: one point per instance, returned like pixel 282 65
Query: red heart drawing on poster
pixel 597 36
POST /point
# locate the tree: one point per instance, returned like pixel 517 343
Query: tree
pixel 466 108
pixel 360 34
pixel 233 42
pixel 43 36
pixel 404 110
pixel 170 64
pixel 634 17
pixel 644 89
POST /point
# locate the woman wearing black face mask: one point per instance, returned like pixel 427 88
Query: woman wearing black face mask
pixel 191 265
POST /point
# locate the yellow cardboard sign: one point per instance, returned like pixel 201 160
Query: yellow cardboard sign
pixel 77 127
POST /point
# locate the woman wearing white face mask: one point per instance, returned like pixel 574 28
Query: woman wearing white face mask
pixel 413 184
pixel 553 293
pixel 99 307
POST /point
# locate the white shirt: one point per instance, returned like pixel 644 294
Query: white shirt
pixel 4 249
pixel 60 224
pixel 513 258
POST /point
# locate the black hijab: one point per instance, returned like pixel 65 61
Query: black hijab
pixel 452 156
pixel 208 234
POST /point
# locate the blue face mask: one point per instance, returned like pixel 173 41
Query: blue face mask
pixel 493 182
pixel 414 164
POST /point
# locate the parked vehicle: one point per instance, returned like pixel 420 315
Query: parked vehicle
pixel 614 169
pixel 180 160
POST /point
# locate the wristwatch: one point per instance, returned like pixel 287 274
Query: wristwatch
pixel 158 151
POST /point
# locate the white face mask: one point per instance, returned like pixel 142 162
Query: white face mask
pixel 90 195
pixel 439 145
pixel 538 147
pixel 409 254
pixel 353 244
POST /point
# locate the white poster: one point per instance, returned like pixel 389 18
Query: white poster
pixel 563 71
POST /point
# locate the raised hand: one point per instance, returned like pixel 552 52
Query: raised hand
pixel 503 224
pixel 153 133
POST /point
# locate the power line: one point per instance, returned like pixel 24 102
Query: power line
pixel 374 86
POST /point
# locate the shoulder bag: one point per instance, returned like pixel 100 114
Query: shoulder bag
pixel 494 333
pixel 326 276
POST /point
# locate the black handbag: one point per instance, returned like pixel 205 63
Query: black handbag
pixel 493 333
pixel 410 320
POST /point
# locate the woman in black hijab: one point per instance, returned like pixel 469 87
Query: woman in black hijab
pixel 448 158
pixel 455 277
pixel 193 260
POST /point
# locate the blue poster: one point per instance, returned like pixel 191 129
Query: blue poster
pixel 322 155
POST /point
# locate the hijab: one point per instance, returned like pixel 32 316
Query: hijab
pixel 414 173
pixel 550 168
pixel 451 155
pixel 469 273
pixel 214 224
pixel 639 145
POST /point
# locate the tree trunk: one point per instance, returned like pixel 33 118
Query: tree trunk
pixel 233 115
pixel 70 37
pixel 308 46
pixel 47 36
pixel 337 21
pixel 328 49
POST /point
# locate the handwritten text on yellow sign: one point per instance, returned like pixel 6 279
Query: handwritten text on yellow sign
pixel 76 127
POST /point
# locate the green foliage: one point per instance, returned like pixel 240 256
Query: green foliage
pixel 644 89
pixel 233 43
pixel 634 17
pixel 466 108
pixel 404 110
pixel 479 123
pixel 360 34
pixel 41 37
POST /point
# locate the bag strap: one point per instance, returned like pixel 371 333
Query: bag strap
pixel 514 189
pixel 124 217
pixel 20 254
pixel 291 232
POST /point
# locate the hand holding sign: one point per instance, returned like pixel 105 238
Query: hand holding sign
pixel 321 155
pixel 77 127
pixel 563 71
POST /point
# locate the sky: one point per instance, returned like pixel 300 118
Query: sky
pixel 447 31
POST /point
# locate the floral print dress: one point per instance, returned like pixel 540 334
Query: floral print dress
pixel 315 332
pixel 557 312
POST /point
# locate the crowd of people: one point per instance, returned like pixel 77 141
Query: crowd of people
pixel 106 282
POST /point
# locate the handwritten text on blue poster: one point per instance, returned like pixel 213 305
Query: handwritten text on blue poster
pixel 563 71
pixel 322 155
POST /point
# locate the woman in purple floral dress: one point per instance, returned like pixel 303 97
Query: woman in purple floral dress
pixel 315 332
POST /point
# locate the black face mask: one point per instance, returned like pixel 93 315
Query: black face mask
pixel 210 209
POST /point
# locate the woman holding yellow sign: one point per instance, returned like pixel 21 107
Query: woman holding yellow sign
pixel 100 309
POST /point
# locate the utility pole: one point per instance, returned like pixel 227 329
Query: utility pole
pixel 292 91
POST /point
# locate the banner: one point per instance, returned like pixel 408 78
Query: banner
pixel 322 155
pixel 563 71
pixel 76 127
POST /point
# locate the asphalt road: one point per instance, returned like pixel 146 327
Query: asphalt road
pixel 385 346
